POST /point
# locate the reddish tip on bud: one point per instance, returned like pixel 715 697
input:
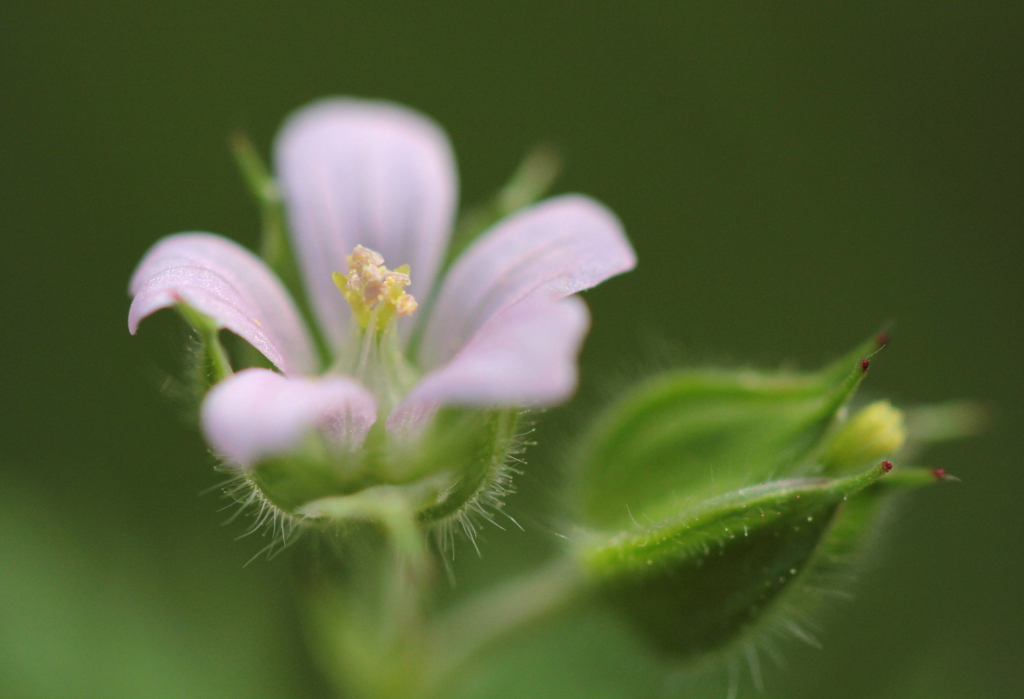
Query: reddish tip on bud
pixel 882 339
pixel 864 364
pixel 939 473
pixel 887 466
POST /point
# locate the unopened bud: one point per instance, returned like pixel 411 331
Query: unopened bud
pixel 876 431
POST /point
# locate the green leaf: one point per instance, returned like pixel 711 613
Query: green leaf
pixel 697 581
pixel 312 471
pixel 685 436
pixel 91 607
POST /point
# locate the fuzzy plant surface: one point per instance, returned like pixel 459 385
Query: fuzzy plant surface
pixel 373 415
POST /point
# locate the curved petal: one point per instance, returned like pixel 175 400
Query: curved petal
pixel 222 280
pixel 257 413
pixel 524 356
pixel 368 173
pixel 559 247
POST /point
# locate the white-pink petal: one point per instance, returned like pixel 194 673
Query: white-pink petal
pixel 258 414
pixel 524 356
pixel 367 173
pixel 558 247
pixel 229 284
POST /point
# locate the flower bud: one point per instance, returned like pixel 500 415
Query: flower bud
pixel 873 433
pixel 701 516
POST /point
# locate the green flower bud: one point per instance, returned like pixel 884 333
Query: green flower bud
pixel 873 433
pixel 703 501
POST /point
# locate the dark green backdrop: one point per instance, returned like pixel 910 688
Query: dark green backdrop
pixel 793 174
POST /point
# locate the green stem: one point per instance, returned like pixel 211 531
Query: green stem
pixel 217 357
pixel 274 247
pixel 389 507
pixel 476 625
pixel 368 627
pixel 216 365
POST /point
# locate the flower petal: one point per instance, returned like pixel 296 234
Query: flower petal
pixel 560 246
pixel 368 173
pixel 524 356
pixel 257 414
pixel 226 282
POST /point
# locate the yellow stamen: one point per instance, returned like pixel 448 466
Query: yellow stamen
pixel 374 291
pixel 406 305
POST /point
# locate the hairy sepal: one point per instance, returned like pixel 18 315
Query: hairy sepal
pixel 446 469
pixel 684 436
pixel 211 363
pixel 472 448
pixel 700 580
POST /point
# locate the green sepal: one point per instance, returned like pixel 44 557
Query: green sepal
pixel 458 459
pixel 311 472
pixel 531 180
pixel 861 518
pixel 275 243
pixel 275 248
pixel 866 350
pixel 909 478
pixel 685 436
pixel 472 447
pixel 211 360
pixel 393 508
pixel 695 582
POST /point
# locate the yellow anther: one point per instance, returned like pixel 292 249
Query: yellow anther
pixel 406 305
pixel 373 290
pixel 362 257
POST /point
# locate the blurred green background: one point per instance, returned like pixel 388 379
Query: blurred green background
pixel 793 175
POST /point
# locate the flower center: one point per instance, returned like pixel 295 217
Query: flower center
pixel 374 354
pixel 375 293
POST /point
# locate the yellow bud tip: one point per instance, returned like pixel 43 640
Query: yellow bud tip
pixel 373 290
pixel 406 305
pixel 876 431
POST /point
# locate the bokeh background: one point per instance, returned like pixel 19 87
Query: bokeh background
pixel 793 175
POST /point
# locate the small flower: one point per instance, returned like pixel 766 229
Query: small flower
pixel 367 185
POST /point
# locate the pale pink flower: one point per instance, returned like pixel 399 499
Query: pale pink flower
pixel 501 329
